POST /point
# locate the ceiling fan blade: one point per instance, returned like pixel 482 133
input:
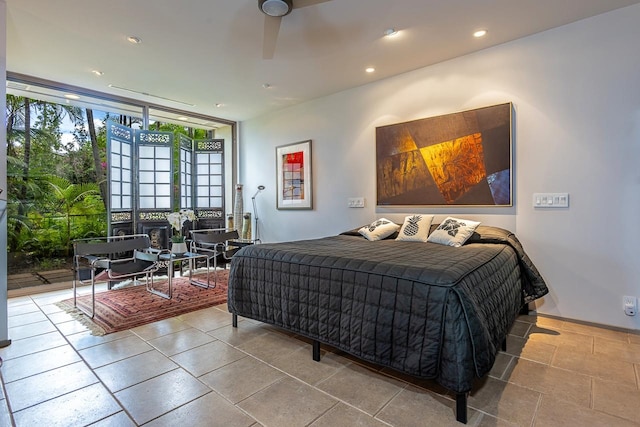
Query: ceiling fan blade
pixel 271 30
pixel 297 4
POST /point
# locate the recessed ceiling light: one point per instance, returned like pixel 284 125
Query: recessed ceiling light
pixel 183 118
pixel 97 72
pixel 218 105
pixel 480 33
pixel 71 96
pixel 134 39
pixel 390 32
pixel 266 86
pixel 370 70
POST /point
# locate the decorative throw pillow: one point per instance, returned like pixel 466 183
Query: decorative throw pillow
pixel 415 228
pixel 453 231
pixel 379 229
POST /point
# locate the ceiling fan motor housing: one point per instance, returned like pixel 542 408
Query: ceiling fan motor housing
pixel 275 7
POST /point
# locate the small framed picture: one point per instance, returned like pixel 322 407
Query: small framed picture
pixel 293 169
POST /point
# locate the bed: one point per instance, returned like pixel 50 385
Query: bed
pixel 425 309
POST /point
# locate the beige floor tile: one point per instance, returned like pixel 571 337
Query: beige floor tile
pixel 343 415
pixel 542 321
pixel 121 419
pixel 530 349
pixel 349 383
pixel 491 421
pixel 50 309
pixel 596 365
pixel 520 329
pixel 511 402
pixel 616 399
pixel 27 307
pixel 25 319
pixel 501 364
pixel 113 351
pixel 236 336
pixel 271 346
pixel 36 363
pixel 413 406
pixel 133 370
pixel 13 302
pixel 71 327
pixel 208 410
pixel 60 317
pixel 596 331
pixel 48 385
pixel 5 417
pixel 208 357
pixel 85 339
pixel 562 339
pixel 81 407
pixel 563 384
pixel 159 395
pixel 425 384
pixel 559 413
pixel 32 345
pixel 160 328
pixel 300 364
pixel 31 330
pixel 617 350
pixel 242 378
pixel 207 319
pixel 634 338
pixel 288 403
pixel 181 341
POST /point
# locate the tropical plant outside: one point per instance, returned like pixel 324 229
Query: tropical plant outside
pixel 56 185
pixel 53 187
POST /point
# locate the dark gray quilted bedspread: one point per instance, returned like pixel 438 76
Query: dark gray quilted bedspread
pixel 429 310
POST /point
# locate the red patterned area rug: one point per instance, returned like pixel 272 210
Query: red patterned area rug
pixel 126 308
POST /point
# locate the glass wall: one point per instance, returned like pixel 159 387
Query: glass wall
pixel 57 166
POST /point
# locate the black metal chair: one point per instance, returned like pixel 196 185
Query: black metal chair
pixel 112 259
pixel 219 244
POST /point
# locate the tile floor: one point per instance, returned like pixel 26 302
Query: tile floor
pixel 196 370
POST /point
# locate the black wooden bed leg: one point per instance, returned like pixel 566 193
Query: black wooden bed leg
pixel 234 321
pixel 504 345
pixel 461 408
pixel 316 350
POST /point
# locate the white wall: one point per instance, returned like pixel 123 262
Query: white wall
pixel 3 178
pixel 576 95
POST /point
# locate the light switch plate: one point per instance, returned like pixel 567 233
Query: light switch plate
pixel 356 202
pixel 550 200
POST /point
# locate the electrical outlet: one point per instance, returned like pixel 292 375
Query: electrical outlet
pixel 630 305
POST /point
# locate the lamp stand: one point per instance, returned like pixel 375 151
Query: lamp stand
pixel 255 214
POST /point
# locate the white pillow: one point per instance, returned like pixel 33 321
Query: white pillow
pixel 415 228
pixel 453 231
pixel 379 229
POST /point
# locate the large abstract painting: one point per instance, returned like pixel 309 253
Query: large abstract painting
pixel 460 159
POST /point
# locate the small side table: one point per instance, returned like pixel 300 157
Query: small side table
pixel 168 260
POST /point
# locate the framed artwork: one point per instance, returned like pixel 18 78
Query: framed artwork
pixel 460 159
pixel 293 169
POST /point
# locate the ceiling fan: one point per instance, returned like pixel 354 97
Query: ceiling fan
pixel 274 11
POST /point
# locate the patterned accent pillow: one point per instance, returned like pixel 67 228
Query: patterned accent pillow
pixel 453 232
pixel 379 229
pixel 415 228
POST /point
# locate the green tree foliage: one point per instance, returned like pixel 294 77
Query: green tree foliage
pixel 51 192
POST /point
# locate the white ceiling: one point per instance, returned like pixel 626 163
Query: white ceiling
pixel 205 52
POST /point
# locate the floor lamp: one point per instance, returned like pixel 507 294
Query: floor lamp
pixel 255 213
